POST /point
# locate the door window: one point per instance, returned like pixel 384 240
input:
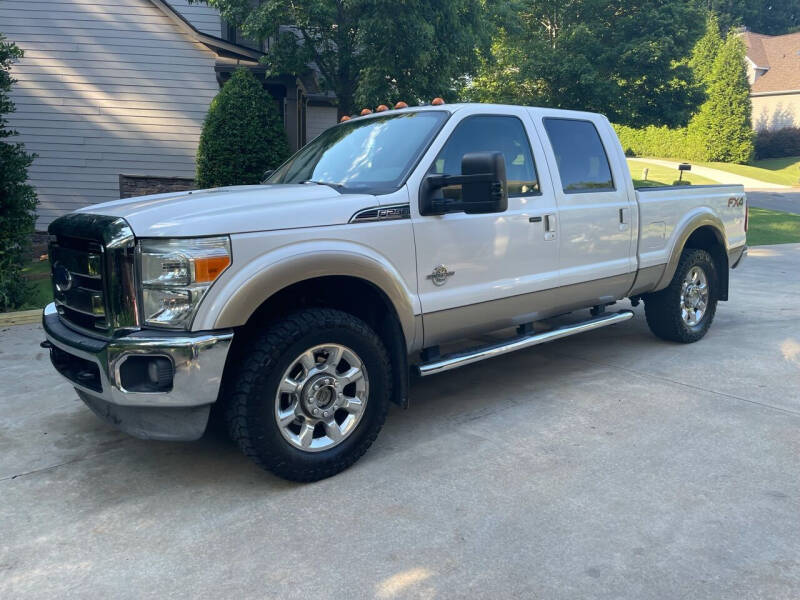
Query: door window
pixel 580 156
pixel 487 133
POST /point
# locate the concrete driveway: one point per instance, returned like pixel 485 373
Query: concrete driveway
pixel 775 200
pixel 611 465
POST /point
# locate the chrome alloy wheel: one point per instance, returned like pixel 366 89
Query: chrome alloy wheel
pixel 694 296
pixel 321 397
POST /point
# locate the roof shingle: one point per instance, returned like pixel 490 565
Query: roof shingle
pixel 780 54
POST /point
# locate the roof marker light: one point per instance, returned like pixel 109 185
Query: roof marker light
pixel 400 104
pixel 437 101
pixel 366 111
pixel 381 108
pixel 344 118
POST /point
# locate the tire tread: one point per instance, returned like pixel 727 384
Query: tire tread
pixel 661 308
pixel 265 352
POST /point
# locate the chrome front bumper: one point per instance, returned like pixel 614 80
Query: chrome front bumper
pixel 198 361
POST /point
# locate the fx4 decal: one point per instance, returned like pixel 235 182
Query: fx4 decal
pixel 735 201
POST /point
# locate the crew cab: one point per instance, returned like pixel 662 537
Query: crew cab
pixel 298 309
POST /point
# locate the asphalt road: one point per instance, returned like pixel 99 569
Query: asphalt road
pixel 611 465
pixel 775 200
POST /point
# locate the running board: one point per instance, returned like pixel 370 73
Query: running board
pixel 460 359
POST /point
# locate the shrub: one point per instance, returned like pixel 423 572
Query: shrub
pixel 661 142
pixel 705 52
pixel 778 143
pixel 722 130
pixel 243 135
pixel 17 198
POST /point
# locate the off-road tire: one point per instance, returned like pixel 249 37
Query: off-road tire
pixel 250 393
pixel 663 308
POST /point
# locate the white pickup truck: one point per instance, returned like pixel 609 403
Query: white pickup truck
pixel 299 308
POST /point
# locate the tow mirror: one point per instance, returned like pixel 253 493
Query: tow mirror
pixel 483 187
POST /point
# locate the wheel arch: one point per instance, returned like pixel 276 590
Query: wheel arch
pixel 704 232
pixel 358 295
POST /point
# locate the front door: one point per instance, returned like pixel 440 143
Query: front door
pixel 476 272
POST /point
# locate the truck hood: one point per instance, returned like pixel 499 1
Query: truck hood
pixel 236 209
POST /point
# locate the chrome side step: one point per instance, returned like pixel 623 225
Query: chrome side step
pixel 460 359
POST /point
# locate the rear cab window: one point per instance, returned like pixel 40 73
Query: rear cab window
pixel 580 156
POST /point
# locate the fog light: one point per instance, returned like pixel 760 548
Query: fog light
pixel 159 370
pixel 147 374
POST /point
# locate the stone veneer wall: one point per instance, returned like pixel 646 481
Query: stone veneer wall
pixel 142 185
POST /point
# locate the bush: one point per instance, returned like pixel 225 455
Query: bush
pixel 243 135
pixel 661 142
pixel 705 52
pixel 778 143
pixel 722 130
pixel 17 198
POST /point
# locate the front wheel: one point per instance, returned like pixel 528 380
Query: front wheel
pixel 683 311
pixel 311 396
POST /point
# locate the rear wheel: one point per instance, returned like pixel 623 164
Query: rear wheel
pixel 683 311
pixel 311 396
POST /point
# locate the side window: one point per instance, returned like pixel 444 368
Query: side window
pixel 580 155
pixel 490 133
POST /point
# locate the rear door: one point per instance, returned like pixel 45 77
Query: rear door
pixel 595 212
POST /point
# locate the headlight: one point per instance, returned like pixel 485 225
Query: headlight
pixel 176 274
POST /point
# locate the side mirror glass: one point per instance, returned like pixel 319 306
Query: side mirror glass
pixel 483 187
pixel 267 175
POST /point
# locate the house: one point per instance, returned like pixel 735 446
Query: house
pixel 112 94
pixel 773 69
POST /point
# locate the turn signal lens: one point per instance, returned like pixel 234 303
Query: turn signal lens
pixel 208 269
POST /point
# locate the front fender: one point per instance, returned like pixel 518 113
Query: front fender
pixel 232 301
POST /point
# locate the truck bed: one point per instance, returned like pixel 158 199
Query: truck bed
pixel 664 212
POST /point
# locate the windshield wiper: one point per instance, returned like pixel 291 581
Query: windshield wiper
pixel 337 186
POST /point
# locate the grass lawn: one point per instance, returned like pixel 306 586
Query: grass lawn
pixel 783 171
pixel 38 273
pixel 658 175
pixel 772 227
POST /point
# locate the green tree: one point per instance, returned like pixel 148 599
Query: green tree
pixel 17 198
pixel 722 129
pixel 623 58
pixel 705 52
pixel 773 17
pixel 242 135
pixel 368 51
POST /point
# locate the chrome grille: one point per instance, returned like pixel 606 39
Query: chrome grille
pixel 92 263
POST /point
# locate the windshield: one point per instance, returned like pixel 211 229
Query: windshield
pixel 370 156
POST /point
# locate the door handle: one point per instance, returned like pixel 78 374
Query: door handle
pixel 550 227
pixel 624 219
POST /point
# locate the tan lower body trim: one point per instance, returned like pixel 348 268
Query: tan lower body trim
pixel 647 279
pixel 464 321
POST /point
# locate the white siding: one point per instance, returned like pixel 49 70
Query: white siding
pixel 106 87
pixel 318 119
pixel 203 17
